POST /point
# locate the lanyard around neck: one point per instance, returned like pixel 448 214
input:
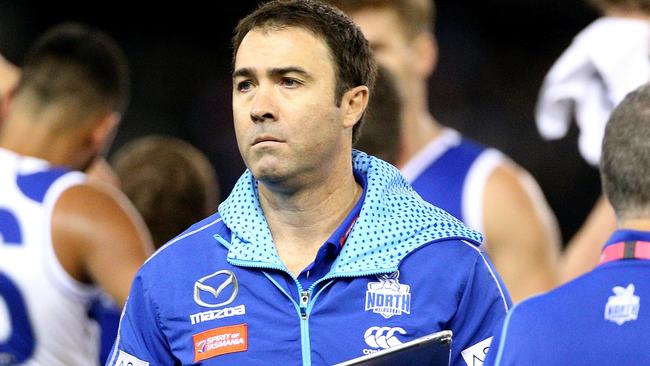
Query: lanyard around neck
pixel 626 250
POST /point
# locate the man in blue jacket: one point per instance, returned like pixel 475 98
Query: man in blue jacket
pixel 598 319
pixel 320 254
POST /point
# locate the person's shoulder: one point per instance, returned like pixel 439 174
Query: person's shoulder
pixel 184 259
pixel 485 155
pixel 584 296
pixel 90 200
pixel 499 166
pixel 460 149
pixel 556 303
pixel 38 180
pixel 510 188
pixel 462 265
pixel 461 252
pixel 455 246
pixel 470 145
pixel 601 280
pixel 210 225
pixel 97 205
pixel 198 240
pixel 467 157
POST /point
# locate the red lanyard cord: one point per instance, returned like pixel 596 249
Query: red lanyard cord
pixel 626 250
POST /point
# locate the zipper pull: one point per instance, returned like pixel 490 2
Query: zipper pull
pixel 304 300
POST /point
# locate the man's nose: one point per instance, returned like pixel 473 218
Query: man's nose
pixel 264 107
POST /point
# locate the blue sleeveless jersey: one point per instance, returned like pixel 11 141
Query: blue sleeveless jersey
pixel 600 318
pixel 43 310
pixel 451 173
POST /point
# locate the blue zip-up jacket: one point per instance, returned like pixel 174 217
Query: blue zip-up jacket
pixel 219 294
pixel 600 318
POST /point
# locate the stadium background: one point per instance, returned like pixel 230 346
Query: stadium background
pixel 493 57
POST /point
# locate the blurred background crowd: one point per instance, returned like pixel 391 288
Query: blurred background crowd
pixel 493 58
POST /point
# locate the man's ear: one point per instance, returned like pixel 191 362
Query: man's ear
pixel 9 76
pixel 354 103
pixel 425 49
pixel 104 130
pixel 5 100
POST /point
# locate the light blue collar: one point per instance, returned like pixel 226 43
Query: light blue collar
pixel 393 222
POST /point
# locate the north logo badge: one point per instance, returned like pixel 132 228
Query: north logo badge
pixel 624 306
pixel 388 297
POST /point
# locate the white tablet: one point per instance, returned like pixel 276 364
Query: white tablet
pixel 430 350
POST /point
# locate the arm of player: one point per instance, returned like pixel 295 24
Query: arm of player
pixel 484 303
pixel 140 341
pixel 522 235
pixel 583 251
pixel 99 237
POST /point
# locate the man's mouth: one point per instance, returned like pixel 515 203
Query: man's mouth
pixel 265 138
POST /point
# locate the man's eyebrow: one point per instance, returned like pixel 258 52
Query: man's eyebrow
pixel 280 71
pixel 274 72
pixel 243 72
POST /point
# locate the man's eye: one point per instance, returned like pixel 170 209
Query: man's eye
pixel 244 86
pixel 290 83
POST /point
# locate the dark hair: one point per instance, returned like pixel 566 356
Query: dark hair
pixel 76 64
pixel 353 61
pixel 381 132
pixel 416 16
pixel 625 161
pixel 170 182
pixel 604 5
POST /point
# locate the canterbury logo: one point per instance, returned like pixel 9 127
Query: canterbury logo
pixel 383 337
pixel 206 285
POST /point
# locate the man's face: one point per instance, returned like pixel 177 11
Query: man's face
pixel 389 42
pixel 287 123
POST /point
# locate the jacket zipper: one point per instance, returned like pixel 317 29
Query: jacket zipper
pixel 302 305
pixel 306 301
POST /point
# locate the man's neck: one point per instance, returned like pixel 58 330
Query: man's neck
pixel 629 13
pixel 27 137
pixel 634 224
pixel 417 130
pixel 36 145
pixel 302 221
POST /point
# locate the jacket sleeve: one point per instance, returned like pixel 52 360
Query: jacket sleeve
pixel 140 341
pixel 484 302
pixel 511 344
pixel 498 342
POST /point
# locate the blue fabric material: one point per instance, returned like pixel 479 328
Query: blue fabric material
pixel 627 235
pixel 599 318
pixel 10 230
pixel 35 185
pixel 107 315
pixel 393 221
pixel 328 252
pixel 407 267
pixel 442 182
